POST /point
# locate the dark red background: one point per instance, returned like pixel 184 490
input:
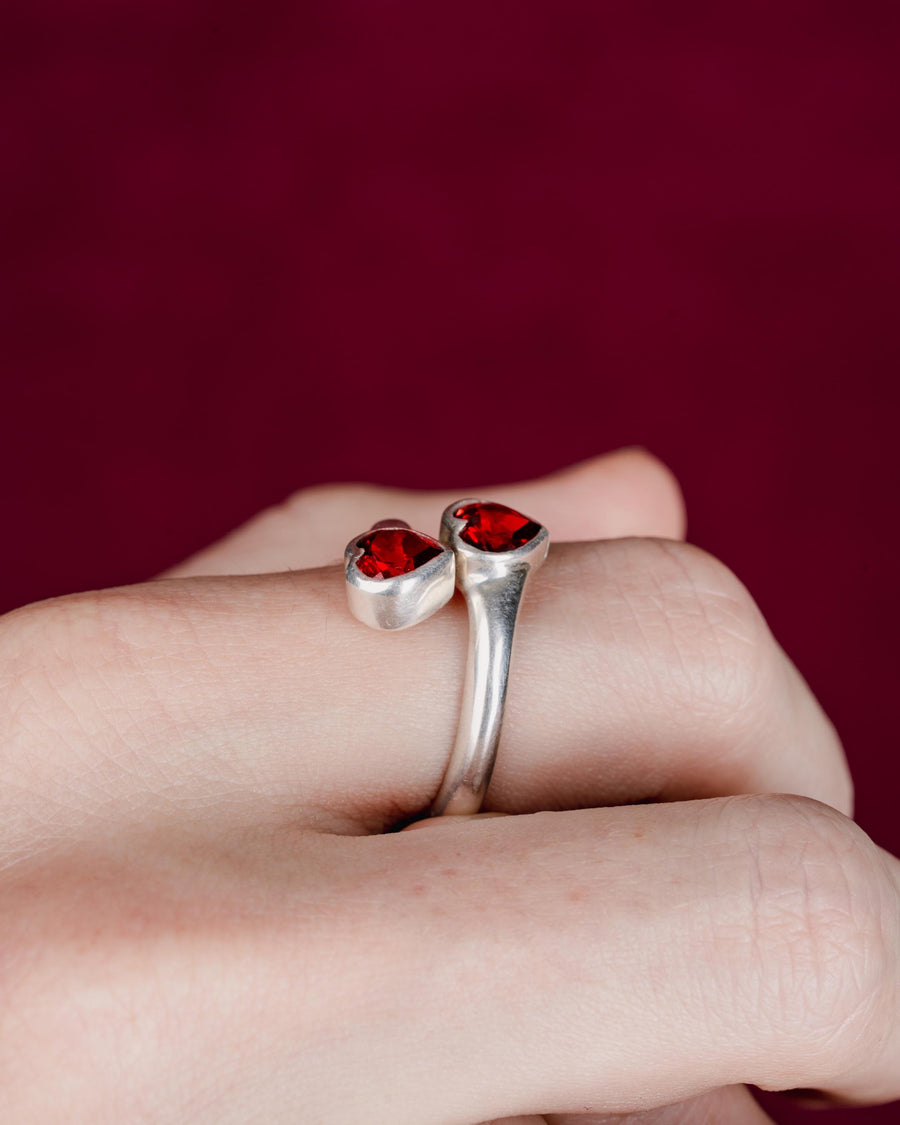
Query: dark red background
pixel 251 247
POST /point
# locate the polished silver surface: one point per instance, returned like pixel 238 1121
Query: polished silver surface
pixel 493 584
pixel 401 601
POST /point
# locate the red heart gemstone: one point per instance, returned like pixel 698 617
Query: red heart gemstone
pixel 494 527
pixel 388 552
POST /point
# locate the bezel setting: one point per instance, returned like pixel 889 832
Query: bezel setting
pixel 474 565
pixel 402 600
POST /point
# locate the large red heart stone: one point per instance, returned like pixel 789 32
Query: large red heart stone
pixel 495 528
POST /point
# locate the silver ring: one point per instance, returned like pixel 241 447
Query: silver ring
pixel 396 577
pixel 497 550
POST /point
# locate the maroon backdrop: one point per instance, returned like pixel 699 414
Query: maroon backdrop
pixel 251 247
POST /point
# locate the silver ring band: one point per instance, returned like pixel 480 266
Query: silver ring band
pixel 493 582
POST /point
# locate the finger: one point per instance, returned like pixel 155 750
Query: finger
pixel 531 1119
pixel 439 821
pixel 619 959
pixel 628 492
pixel 600 962
pixel 732 1105
pixel 643 672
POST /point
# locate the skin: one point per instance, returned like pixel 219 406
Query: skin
pixel 207 915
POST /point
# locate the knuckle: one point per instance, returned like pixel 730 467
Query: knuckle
pixel 820 925
pixel 46 645
pixel 35 645
pixel 721 664
pixel 321 509
pixel 313 497
pixel 37 673
pixel 319 500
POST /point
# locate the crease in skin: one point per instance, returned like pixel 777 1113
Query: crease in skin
pixel 729 1105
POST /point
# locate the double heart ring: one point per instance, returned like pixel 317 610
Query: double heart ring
pixel 397 577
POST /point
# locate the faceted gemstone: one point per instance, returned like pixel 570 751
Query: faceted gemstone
pixel 494 527
pixel 392 551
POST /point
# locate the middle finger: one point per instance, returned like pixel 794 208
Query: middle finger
pixel 644 671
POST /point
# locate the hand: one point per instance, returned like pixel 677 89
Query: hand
pixel 200 920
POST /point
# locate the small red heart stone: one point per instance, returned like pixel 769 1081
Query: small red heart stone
pixel 389 552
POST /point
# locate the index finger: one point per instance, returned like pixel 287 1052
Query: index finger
pixel 628 492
